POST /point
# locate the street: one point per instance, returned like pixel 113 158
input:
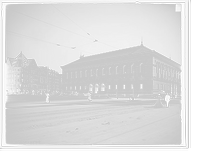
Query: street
pixel 100 122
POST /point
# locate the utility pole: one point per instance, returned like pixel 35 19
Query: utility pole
pixel 117 85
pixel 133 88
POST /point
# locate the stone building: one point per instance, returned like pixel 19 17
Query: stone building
pixel 131 71
pixel 24 76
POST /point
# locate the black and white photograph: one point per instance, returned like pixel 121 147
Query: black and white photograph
pixel 95 74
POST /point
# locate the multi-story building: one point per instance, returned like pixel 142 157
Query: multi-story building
pixel 135 70
pixel 25 77
pixel 53 80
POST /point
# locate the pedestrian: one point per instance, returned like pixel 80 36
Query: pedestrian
pixel 89 97
pixel 158 103
pixel 47 98
pixel 167 99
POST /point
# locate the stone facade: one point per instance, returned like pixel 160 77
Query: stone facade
pixel 131 71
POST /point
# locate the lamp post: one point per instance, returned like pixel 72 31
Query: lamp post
pixel 117 85
pixel 132 80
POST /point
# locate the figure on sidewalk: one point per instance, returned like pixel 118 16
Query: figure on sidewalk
pixel 167 99
pixel 47 98
pixel 89 96
pixel 158 103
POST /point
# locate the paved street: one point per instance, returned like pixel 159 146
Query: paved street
pixel 101 122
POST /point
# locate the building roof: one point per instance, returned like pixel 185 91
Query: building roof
pixel 113 54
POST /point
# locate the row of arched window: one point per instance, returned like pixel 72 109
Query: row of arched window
pixel 95 72
pixel 167 72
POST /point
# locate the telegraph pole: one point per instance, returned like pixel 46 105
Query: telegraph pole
pixel 133 88
pixel 117 85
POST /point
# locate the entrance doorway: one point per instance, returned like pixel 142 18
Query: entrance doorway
pixel 91 88
pixel 96 88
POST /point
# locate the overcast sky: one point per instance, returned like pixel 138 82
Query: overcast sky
pixel 55 35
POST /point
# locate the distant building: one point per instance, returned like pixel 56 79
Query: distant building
pixel 135 70
pixel 25 77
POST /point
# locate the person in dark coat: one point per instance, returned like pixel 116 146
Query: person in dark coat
pixel 167 99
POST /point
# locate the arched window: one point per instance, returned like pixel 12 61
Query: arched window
pixel 80 74
pixel 117 69
pixel 75 74
pixel 91 73
pixel 157 68
pixel 102 87
pixel 109 71
pixel 103 71
pixel 124 69
pixel 71 74
pixel 97 72
pixel 161 69
pixel 132 68
pixel 141 68
pixel 67 76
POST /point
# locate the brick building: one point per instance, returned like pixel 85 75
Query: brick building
pixel 131 71
pixel 24 76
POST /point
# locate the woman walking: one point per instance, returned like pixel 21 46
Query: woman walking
pixel 158 103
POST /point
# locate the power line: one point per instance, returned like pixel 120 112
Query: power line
pixel 51 24
pixel 65 29
pixel 56 44
pixel 71 20
pixel 95 40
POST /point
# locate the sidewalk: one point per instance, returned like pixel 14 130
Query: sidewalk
pixel 60 102
pixel 137 101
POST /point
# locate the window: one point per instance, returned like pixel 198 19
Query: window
pixel 109 70
pixel 97 72
pixel 80 74
pixel 108 86
pixel 75 74
pixel 103 71
pixel 131 86
pixel 71 75
pixel 154 71
pixel 141 86
pixel 132 68
pixel 161 69
pixel 124 69
pixel 102 87
pixel 117 71
pixel 91 72
pixel 124 86
pixel 116 86
pixel 141 68
pixel 157 68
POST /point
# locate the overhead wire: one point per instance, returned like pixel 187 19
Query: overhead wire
pixel 56 44
pixel 95 40
pixel 52 24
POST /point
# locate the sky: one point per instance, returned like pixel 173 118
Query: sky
pixel 57 34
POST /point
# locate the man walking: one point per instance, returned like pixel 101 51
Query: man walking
pixel 167 99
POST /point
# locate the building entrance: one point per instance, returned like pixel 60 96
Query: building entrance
pixel 91 88
pixel 96 88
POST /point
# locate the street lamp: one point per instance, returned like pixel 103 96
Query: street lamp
pixel 117 85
